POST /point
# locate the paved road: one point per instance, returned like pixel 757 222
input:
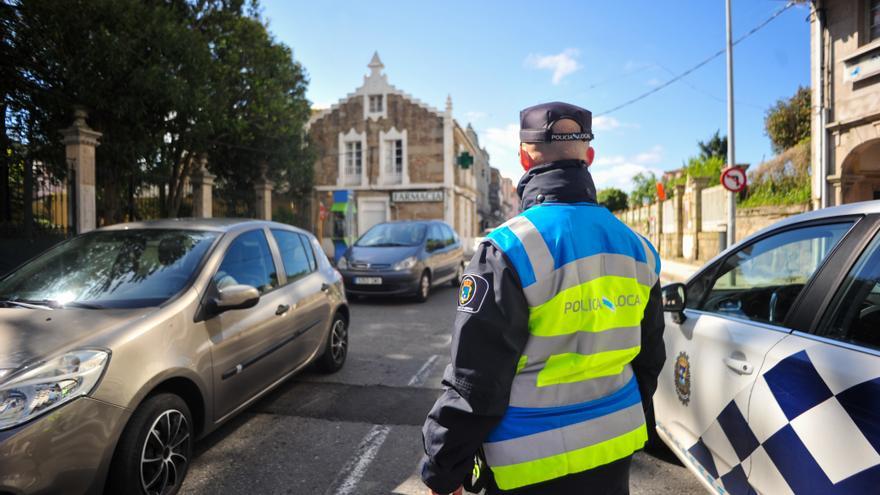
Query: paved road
pixel 358 431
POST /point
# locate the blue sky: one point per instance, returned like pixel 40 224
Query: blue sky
pixel 496 57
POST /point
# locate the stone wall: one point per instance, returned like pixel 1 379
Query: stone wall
pixel 751 220
pixel 417 211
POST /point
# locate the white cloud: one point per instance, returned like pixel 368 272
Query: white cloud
pixel 618 170
pixel 605 123
pixel 654 155
pixel 653 82
pixel 474 116
pixel 502 143
pixel 561 64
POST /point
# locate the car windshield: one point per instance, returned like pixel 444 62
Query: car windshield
pixel 393 234
pixel 109 269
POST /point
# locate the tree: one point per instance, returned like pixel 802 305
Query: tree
pixel 167 83
pixel 644 189
pixel 788 121
pixel 612 198
pixel 714 146
pixel 262 124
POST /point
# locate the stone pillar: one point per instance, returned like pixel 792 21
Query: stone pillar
pixel 678 209
pixel 263 190
pixel 695 220
pixel 203 183
pixel 80 142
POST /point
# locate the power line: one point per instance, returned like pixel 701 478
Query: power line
pixel 705 61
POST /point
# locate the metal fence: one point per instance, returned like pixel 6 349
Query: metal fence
pixel 38 203
pixel 147 202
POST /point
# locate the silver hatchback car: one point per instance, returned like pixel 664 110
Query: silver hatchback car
pixel 120 347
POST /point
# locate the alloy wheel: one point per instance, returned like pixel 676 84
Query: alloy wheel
pixel 339 340
pixel 425 286
pixel 164 455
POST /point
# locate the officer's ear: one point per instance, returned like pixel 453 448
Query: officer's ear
pixel 525 159
pixel 591 155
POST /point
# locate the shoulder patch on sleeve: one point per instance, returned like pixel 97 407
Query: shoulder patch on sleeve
pixel 472 293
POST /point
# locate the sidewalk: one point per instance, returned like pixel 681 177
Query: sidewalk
pixel 677 270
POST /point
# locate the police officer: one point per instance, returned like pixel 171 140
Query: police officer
pixel 558 338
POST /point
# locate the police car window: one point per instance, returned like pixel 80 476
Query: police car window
pixel 856 314
pixel 248 261
pixel 761 281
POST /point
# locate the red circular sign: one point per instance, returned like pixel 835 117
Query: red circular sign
pixel 734 179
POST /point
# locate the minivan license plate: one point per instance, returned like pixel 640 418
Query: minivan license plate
pixel 368 280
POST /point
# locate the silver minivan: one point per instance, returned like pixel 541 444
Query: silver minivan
pixel 120 347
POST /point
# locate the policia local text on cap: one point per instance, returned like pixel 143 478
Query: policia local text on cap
pixel 558 339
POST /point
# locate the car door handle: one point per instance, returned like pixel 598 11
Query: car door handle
pixel 741 366
pixel 281 309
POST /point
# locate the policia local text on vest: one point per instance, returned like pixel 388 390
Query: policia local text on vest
pixel 558 337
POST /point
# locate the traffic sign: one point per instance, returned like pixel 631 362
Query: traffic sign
pixel 734 179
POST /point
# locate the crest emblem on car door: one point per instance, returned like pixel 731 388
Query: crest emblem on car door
pixel 682 372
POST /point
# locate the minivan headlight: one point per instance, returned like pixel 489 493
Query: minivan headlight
pixel 49 385
pixel 342 264
pixel 406 263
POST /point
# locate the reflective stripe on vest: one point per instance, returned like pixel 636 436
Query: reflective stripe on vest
pixel 574 403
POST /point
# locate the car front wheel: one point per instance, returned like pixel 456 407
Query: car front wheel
pixel 155 449
pixel 424 289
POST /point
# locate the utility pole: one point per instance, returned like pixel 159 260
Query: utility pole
pixel 731 157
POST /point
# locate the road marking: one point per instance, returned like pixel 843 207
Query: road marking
pixel 350 475
pixel 422 374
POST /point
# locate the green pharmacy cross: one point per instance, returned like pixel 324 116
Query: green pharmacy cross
pixel 465 160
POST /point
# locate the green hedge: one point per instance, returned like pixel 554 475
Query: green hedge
pixel 784 180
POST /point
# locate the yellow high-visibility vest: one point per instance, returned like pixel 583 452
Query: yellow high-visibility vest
pixel 574 404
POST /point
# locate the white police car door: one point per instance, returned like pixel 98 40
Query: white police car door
pixel 815 411
pixel 737 309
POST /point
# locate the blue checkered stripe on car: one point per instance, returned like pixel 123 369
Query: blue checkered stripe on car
pixel 819 442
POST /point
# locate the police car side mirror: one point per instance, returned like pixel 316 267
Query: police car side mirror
pixel 674 300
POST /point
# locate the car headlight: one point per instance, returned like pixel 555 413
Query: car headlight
pixel 342 264
pixel 406 263
pixel 49 385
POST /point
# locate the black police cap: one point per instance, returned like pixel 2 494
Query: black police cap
pixel 535 123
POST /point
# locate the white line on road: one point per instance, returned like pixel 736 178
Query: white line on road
pixel 422 374
pixel 347 479
pixel 350 475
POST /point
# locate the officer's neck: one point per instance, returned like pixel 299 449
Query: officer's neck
pixel 563 181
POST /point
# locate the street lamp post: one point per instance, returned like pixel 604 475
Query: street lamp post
pixel 731 158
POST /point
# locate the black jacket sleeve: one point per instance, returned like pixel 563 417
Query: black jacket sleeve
pixel 491 331
pixel 649 362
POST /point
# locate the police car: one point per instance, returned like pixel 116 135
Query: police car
pixel 772 380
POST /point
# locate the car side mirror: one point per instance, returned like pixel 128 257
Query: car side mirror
pixel 674 300
pixel 236 297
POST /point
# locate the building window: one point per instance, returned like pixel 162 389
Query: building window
pixel 376 103
pixel 394 159
pixel 874 19
pixel 353 162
